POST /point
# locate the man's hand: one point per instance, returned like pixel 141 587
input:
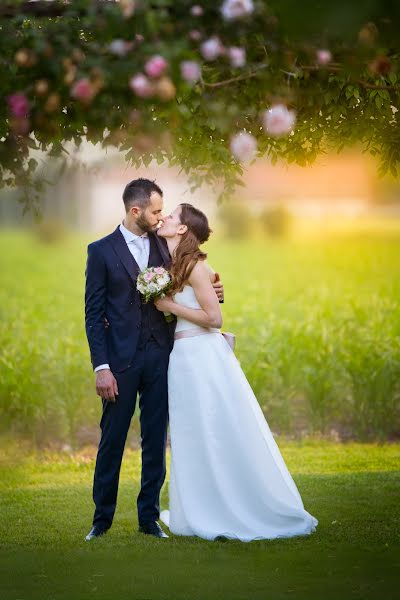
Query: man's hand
pixel 218 287
pixel 106 385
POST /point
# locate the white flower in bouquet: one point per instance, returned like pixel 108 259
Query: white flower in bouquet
pixel 153 283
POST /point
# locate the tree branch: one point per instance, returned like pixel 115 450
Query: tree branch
pixel 331 68
pixel 233 79
pixel 338 69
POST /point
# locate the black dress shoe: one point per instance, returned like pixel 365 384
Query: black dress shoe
pixel 95 532
pixel 152 528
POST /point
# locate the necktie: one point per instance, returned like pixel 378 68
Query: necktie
pixel 142 254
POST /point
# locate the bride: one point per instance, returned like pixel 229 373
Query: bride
pixel 227 476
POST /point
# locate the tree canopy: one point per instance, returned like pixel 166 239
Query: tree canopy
pixel 206 86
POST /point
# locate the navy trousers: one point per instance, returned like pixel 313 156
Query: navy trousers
pixel 147 377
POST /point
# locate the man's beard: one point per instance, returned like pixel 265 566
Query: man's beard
pixel 144 225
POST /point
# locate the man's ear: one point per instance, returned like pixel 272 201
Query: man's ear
pixel 134 211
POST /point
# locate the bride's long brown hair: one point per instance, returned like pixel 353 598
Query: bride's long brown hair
pixel 187 252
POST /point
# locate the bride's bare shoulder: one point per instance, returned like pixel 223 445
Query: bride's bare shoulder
pixel 202 267
pixel 210 271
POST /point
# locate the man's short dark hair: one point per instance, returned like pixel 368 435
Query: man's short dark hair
pixel 138 192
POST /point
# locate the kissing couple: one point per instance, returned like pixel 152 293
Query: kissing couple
pixel 227 476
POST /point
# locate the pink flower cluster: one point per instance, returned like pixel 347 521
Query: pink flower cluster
pixel 156 66
pixel 236 9
pixel 141 86
pixel 243 146
pixel 84 90
pixel 154 81
pixel 324 57
pixel 18 105
pixel 127 7
pixel 196 10
pixel 237 56
pixel 190 71
pixel 149 276
pixel 120 47
pixel 195 35
pixel 212 48
pixel 278 120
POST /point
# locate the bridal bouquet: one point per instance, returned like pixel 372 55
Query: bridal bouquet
pixel 154 282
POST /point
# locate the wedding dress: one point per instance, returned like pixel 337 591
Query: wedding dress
pixel 227 475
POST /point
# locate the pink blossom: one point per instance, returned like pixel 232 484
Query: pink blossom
pixel 127 7
pixel 195 35
pixel 324 57
pixel 156 66
pixel 278 120
pixel 83 90
pixel 118 47
pixel 149 276
pixel 20 126
pixel 190 71
pixel 237 56
pixel 236 9
pixel 197 10
pixel 18 104
pixel 159 270
pixel 211 48
pixel 243 146
pixel 141 86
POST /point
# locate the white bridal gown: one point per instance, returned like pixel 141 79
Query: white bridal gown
pixel 227 475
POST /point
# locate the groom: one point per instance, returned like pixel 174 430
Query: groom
pixel 130 343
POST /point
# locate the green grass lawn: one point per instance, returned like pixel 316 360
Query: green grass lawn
pixel 317 321
pixel 46 509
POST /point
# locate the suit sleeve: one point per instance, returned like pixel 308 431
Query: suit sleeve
pixel 95 303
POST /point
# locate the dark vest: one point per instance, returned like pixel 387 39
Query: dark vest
pixel 153 322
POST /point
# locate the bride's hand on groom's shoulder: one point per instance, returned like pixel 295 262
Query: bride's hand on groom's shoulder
pixel 165 304
pixel 218 287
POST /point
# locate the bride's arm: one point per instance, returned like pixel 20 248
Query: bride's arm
pixel 209 315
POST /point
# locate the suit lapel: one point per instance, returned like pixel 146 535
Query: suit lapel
pixel 121 248
pixel 160 244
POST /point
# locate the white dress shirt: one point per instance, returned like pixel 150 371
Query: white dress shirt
pixel 139 247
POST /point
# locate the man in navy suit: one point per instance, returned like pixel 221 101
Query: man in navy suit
pixel 130 343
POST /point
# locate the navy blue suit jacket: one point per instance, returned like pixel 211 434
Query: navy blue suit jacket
pixel 111 294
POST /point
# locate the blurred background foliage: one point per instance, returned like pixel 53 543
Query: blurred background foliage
pixel 317 321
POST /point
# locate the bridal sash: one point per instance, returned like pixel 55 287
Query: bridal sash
pixel 229 337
